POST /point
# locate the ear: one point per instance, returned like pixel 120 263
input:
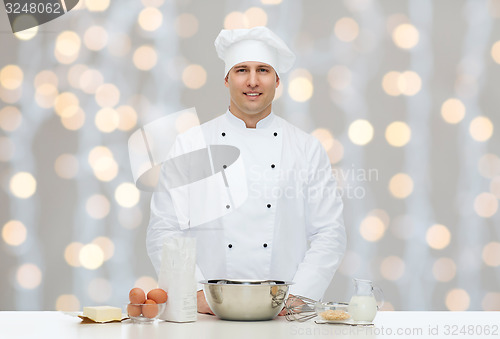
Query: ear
pixel 277 80
pixel 226 80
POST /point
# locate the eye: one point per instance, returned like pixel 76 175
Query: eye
pixel 263 70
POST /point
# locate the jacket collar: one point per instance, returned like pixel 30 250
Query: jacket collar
pixel 237 122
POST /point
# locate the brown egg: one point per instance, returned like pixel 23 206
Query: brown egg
pixel 134 310
pixel 149 309
pixel 137 296
pixel 158 295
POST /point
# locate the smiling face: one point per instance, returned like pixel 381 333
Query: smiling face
pixel 252 86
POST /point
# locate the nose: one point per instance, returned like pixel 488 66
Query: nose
pixel 252 80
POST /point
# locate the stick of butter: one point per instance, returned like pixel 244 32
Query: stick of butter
pixel 102 314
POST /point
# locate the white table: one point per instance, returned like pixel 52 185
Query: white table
pixel 58 325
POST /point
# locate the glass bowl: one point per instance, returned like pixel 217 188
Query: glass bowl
pixel 144 313
pixel 332 311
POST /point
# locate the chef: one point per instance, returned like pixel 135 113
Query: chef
pixel 290 226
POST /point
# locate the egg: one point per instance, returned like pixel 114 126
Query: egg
pixel 137 296
pixel 134 310
pixel 149 309
pixel 158 295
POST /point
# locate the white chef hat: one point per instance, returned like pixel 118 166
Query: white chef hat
pixel 254 44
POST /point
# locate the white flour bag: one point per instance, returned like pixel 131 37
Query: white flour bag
pixel 177 278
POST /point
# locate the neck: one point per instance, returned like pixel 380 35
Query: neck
pixel 250 120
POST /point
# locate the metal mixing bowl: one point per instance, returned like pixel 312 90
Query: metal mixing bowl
pixel 246 299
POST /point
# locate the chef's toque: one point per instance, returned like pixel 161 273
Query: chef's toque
pixel 254 44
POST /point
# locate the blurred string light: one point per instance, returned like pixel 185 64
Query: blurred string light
pixel 453 111
pixel 145 58
pixel 147 283
pixel 107 120
pixel 360 132
pixel 103 164
pixel 73 118
pixel 46 77
pixel 325 137
pixel 10 118
pixel 67 303
pixel 392 268
pixel 186 25
pixel 27 34
pixel 95 38
pixel 72 254
pixel 97 206
pixel 270 2
pixel 107 246
pixel 401 185
pixel 97 5
pixel 495 52
pixel 300 87
pixel 491 254
pixel 491 301
pixel 489 165
pixel 398 134
pixel 66 166
pixel 372 228
pixel 127 195
pixel 396 83
pixel 67 47
pixel 150 19
pixel 194 76
pixel 22 185
pixel 107 95
pixel 91 256
pixel 405 36
pixel 346 29
pixel 11 77
pixel 252 17
pixel 486 205
pixel 14 233
pixel 89 81
pixel 29 276
pixel 444 269
pixel 438 237
pixel 457 300
pixel 481 128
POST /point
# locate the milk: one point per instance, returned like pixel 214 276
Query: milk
pixel 363 308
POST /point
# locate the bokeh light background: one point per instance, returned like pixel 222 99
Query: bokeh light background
pixel 403 95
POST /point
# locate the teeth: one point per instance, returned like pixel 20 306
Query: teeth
pixel 253 94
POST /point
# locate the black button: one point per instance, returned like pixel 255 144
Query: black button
pixel 265 245
pixel 223 134
pixel 272 166
pixel 230 246
pixel 227 206
pixel 268 205
pixel 224 166
pixel 275 134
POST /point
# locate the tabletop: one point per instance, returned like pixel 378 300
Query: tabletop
pixel 55 325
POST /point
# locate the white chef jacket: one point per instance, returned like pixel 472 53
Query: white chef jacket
pixel 290 227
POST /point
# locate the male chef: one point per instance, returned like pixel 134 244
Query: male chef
pixel 290 227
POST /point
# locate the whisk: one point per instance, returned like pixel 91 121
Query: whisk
pixel 299 308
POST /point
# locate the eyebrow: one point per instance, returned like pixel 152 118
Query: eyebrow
pixel 258 66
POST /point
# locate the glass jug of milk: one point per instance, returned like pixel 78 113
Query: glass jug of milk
pixel 363 305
